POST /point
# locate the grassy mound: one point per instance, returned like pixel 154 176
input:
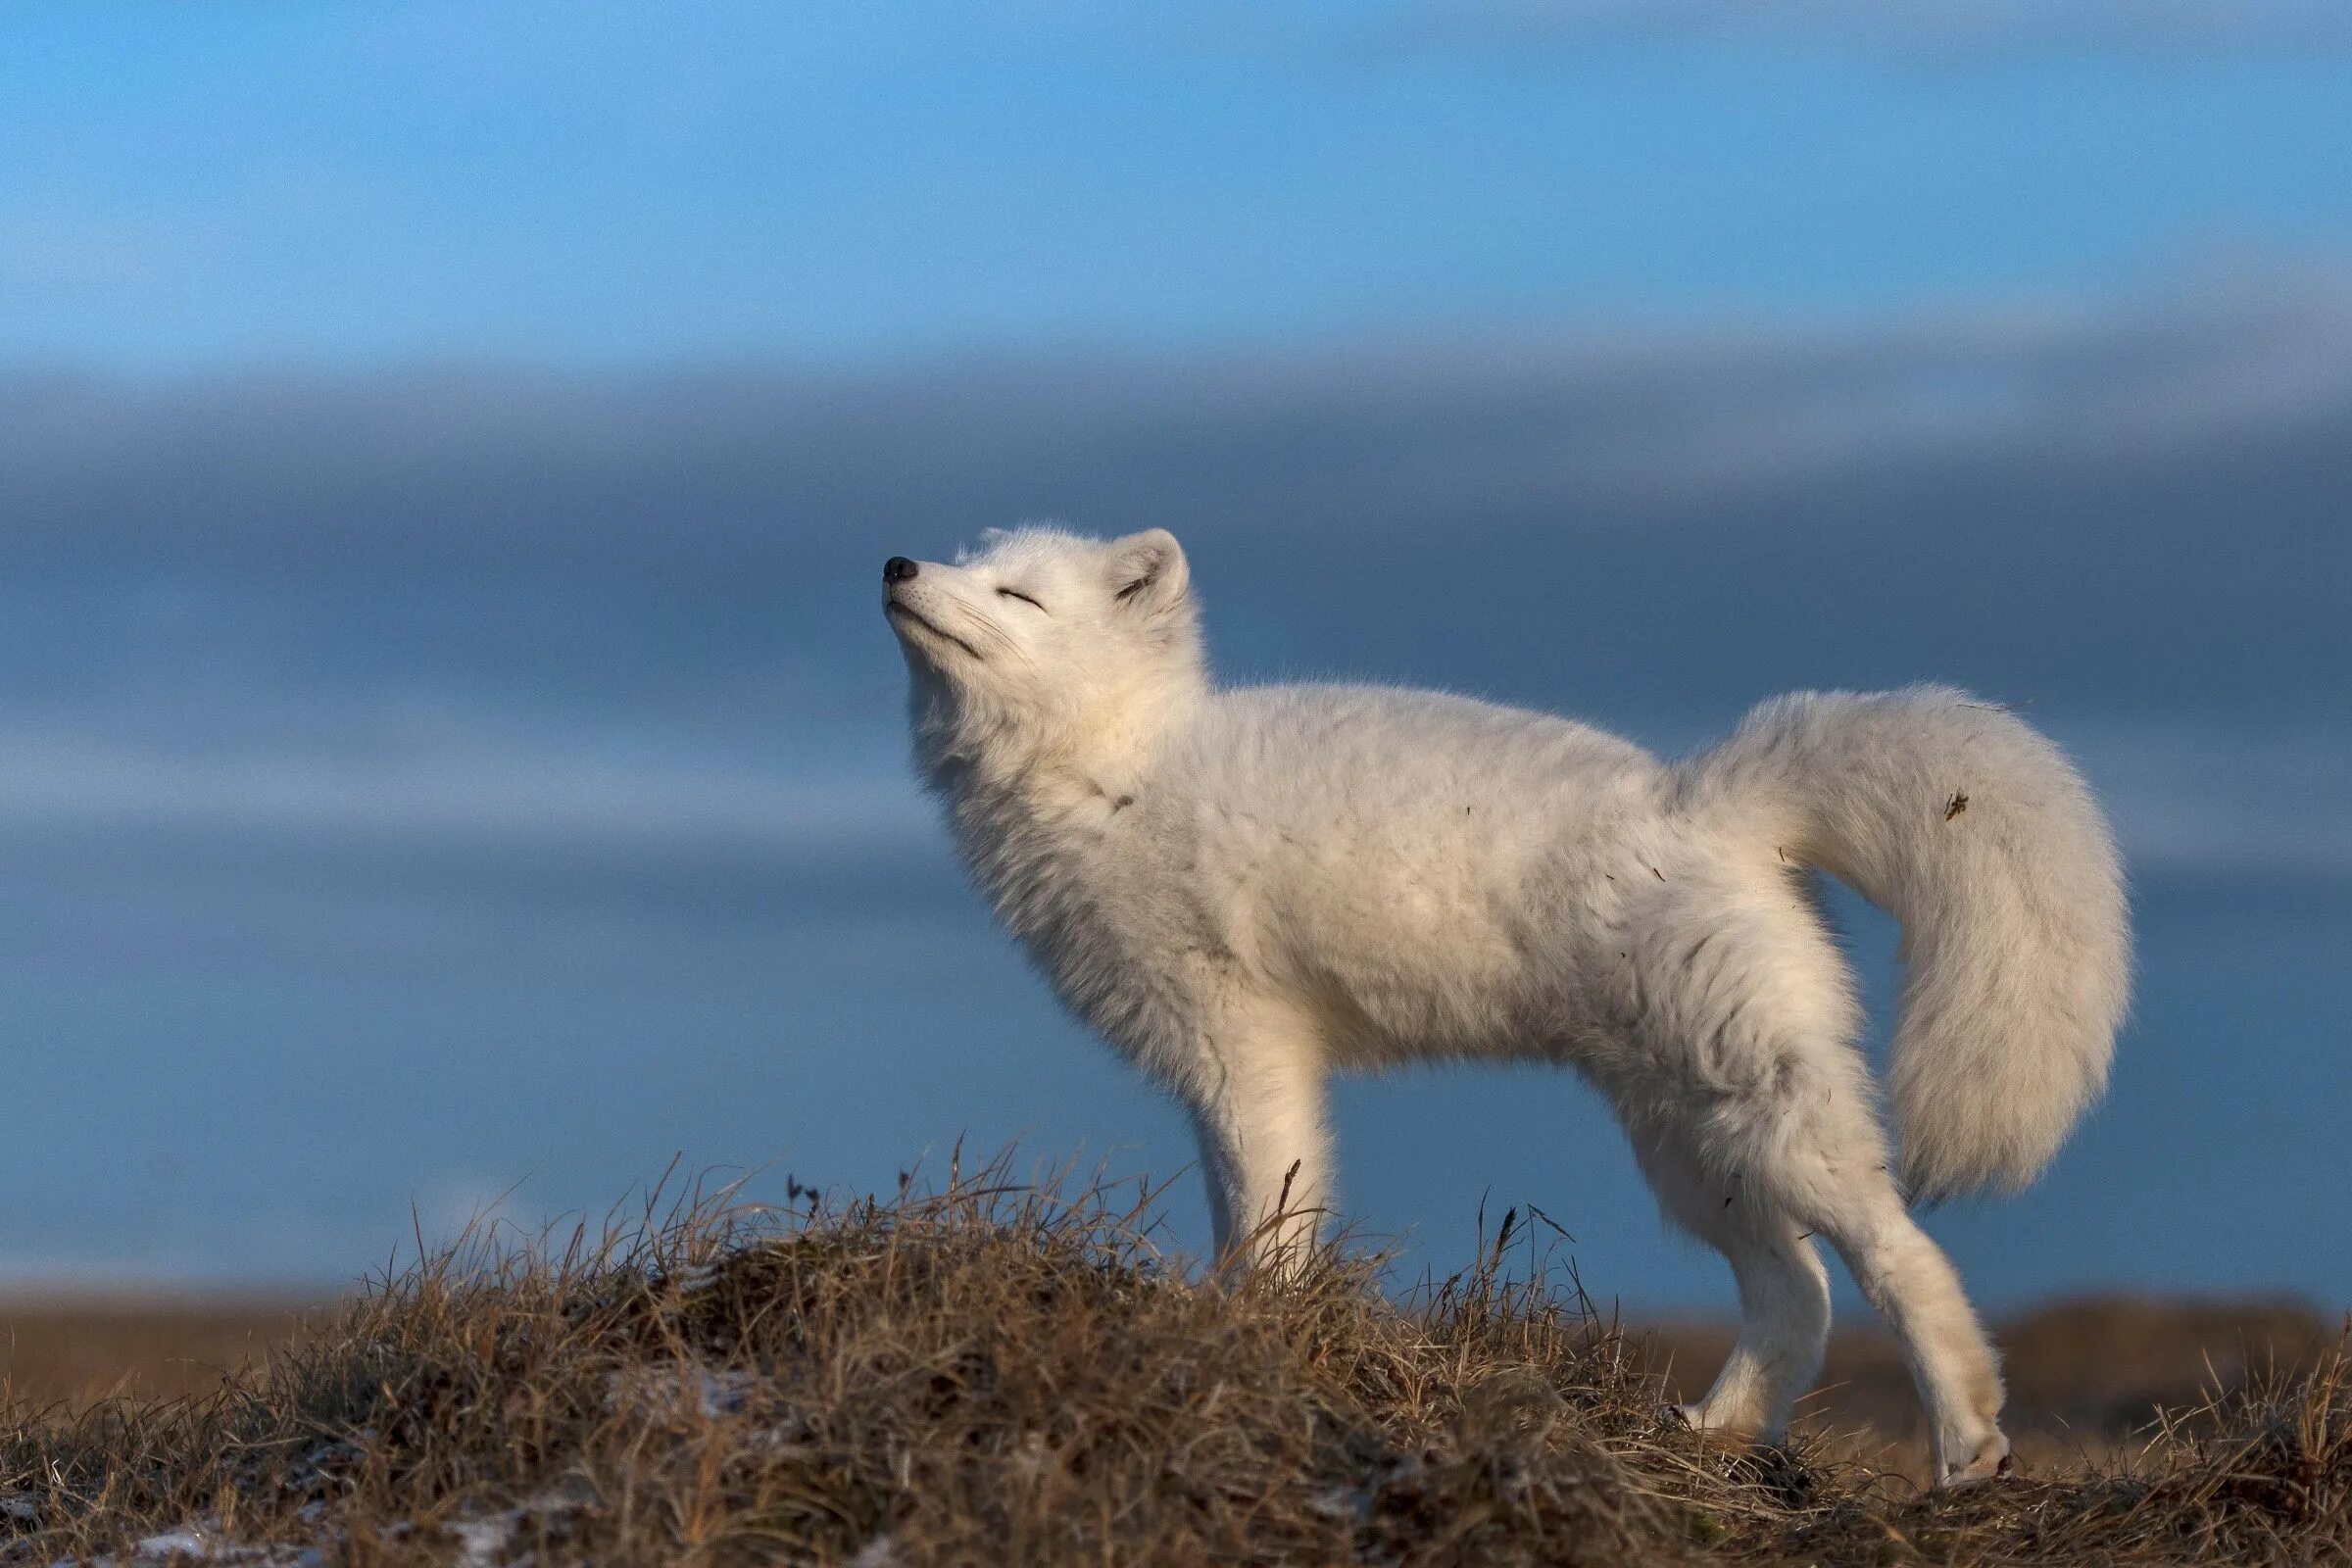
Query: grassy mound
pixel 998 1375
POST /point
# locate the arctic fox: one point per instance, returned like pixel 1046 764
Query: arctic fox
pixel 1246 889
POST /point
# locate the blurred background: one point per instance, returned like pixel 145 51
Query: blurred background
pixel 451 755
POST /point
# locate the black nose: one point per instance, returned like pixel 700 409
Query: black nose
pixel 898 568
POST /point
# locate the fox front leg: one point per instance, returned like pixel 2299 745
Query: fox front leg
pixel 1265 1149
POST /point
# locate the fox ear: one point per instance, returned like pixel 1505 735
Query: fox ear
pixel 1148 570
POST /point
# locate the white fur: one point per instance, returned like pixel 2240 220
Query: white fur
pixel 1246 890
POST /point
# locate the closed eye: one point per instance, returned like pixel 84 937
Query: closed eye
pixel 1015 593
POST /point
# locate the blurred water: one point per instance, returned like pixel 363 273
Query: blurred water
pixel 222 1079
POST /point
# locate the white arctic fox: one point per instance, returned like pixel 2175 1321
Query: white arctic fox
pixel 1246 890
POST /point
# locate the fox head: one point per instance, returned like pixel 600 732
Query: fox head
pixel 1040 645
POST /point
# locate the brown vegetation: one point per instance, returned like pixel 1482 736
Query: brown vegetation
pixel 995 1375
pixel 2088 1377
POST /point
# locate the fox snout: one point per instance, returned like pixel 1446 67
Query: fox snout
pixel 898 568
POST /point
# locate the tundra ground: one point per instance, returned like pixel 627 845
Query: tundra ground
pixel 998 1373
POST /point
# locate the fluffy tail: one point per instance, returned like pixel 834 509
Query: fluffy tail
pixel 1977 834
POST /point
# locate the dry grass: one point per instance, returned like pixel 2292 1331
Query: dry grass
pixel 2088 1377
pixel 996 1375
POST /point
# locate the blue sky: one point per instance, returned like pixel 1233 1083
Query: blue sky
pixel 592 183
pixel 447 743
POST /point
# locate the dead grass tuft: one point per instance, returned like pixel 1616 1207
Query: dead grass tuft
pixel 1004 1373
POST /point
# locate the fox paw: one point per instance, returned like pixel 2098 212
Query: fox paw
pixel 1697 1418
pixel 1990 1461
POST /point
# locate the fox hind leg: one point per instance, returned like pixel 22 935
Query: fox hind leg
pixel 1814 1159
pixel 1757 1124
pixel 1807 1155
pixel 1784 1298
pixel 1918 1293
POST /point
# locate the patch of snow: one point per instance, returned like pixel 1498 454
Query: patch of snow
pixel 485 1537
pixel 484 1540
pixel 200 1544
pixel 692 1390
pixel 694 1278
pixel 725 1392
